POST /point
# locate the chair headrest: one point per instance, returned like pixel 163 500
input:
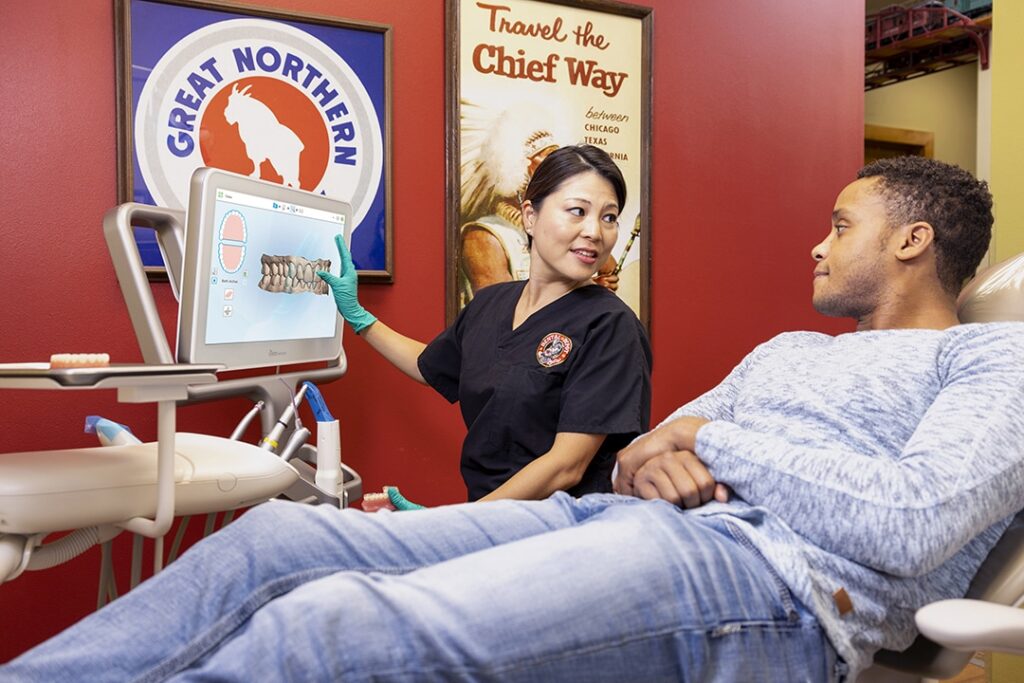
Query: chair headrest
pixel 997 293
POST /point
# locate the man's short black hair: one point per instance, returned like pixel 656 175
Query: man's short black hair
pixel 957 205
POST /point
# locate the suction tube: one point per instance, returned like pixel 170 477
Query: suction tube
pixel 70 546
pixel 12 556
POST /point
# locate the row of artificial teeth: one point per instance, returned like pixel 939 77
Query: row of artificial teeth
pixel 79 360
pixel 290 285
pixel 293 266
pixel 293 274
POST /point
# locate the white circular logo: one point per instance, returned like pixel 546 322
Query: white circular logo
pixel 262 99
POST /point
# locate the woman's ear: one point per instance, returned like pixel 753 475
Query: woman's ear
pixel 529 217
pixel 914 240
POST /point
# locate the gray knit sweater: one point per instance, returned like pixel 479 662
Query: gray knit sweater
pixel 886 463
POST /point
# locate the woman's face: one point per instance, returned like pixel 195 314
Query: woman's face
pixel 574 230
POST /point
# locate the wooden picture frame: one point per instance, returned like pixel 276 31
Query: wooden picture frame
pixel 529 74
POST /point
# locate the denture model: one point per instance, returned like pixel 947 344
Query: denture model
pixel 293 274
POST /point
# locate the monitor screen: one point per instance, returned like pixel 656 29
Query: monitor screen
pixel 250 294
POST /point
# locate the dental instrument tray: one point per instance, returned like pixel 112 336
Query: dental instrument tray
pixel 91 376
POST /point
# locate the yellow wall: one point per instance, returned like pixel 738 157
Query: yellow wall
pixel 1007 173
pixel 1004 668
pixel 1007 168
pixel 1007 133
pixel 944 103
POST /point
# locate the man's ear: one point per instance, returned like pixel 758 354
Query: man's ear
pixel 914 239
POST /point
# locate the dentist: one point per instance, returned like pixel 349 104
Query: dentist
pixel 552 373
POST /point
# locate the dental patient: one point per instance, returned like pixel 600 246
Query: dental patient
pixel 867 474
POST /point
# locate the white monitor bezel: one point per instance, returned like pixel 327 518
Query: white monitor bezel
pixel 195 285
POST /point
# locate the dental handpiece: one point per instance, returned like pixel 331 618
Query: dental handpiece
pixel 270 441
pixel 296 441
pixel 244 423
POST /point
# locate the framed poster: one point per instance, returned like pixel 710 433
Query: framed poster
pixel 297 99
pixel 528 76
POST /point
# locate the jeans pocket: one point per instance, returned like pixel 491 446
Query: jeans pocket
pixel 786 599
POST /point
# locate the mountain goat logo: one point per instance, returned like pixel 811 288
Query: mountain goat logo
pixel 265 138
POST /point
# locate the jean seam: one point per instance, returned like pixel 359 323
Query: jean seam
pixel 217 632
pixel 198 646
pixel 785 595
pixel 589 649
pixel 841 668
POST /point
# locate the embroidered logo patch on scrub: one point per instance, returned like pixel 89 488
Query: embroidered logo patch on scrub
pixel 553 349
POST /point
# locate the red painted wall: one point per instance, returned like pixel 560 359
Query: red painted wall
pixel 758 114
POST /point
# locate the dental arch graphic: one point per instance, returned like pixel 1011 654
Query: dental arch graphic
pixel 233 238
pixel 293 274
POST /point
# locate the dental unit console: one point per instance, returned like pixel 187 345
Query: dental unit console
pixel 243 266
pixel 250 293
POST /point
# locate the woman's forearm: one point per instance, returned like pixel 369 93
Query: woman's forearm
pixel 399 350
pixel 559 469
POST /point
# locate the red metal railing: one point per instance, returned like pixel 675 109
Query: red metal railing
pixel 920 24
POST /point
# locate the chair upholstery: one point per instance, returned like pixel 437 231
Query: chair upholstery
pixel 1000 579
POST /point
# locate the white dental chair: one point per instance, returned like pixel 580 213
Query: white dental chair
pixel 987 618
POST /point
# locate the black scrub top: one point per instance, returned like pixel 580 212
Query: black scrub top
pixel 580 364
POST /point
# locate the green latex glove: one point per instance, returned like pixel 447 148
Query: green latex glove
pixel 400 502
pixel 344 289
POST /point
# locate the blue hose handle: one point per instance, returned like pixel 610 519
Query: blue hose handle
pixel 316 402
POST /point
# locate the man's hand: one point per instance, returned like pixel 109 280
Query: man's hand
pixel 606 277
pixel 678 477
pixel 662 464
pixel 610 282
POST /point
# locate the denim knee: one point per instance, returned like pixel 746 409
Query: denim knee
pixel 275 526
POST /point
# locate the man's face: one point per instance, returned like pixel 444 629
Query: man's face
pixel 850 273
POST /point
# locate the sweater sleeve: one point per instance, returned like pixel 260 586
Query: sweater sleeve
pixel 961 471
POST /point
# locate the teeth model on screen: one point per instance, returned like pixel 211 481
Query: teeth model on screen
pixel 293 274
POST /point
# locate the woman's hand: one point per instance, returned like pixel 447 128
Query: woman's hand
pixel 344 286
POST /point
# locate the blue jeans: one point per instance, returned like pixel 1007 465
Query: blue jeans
pixel 602 588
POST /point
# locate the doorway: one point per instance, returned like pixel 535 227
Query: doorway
pixel 882 142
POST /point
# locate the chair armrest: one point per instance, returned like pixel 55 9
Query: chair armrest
pixel 969 625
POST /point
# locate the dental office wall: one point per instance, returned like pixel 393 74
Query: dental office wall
pixel 1007 145
pixel 758 123
pixel 1006 152
pixel 944 103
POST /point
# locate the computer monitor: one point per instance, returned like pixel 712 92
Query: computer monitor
pixel 250 296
